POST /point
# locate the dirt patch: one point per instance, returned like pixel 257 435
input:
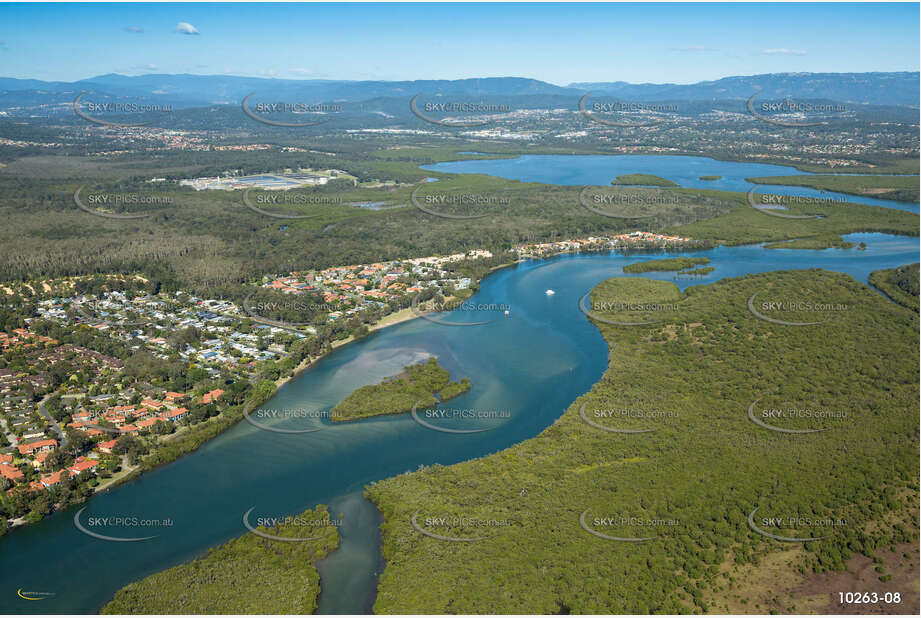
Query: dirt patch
pixel 862 576
pixel 876 190
pixel 776 586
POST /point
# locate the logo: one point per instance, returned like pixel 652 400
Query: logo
pixel 271 199
pixel 757 421
pixel 428 211
pixel 116 521
pixel 106 215
pixel 452 107
pixel 464 306
pixel 629 306
pixel 292 326
pixel 463 522
pixel 118 107
pixel 32 595
pixel 611 429
pixel 786 106
pixel 247 414
pixel 761 316
pixel 277 107
pixel 769 211
pixel 781 522
pixel 605 199
pixel 452 414
pixel 608 521
pixel 615 107
pixel 293 521
pixel 86 316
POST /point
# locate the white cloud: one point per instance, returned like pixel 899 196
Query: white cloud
pixel 186 28
pixel 135 29
pixel 146 67
pixel 783 51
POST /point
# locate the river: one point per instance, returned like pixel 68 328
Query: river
pixel 531 363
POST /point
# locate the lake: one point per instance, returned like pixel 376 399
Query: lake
pixel 579 170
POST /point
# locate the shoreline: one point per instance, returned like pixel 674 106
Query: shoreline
pixel 398 317
pixel 392 319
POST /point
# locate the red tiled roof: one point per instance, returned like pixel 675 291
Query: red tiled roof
pixel 174 414
pixel 10 472
pixel 212 396
pixel 28 448
pixel 82 466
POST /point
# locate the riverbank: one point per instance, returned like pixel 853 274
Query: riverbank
pixel 545 486
pixel 392 319
pixel 534 365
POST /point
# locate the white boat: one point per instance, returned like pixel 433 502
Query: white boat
pixel 549 292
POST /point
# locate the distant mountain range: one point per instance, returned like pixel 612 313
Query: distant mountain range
pixel 185 91
pixel 869 88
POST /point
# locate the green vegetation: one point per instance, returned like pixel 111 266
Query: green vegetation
pixel 425 383
pixel 697 272
pixel 900 284
pixel 705 468
pixel 832 241
pixel 209 243
pixel 899 188
pixel 710 177
pixel 665 264
pixel 248 575
pixel 746 225
pixel 643 179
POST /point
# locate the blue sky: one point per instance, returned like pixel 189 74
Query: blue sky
pixel 558 43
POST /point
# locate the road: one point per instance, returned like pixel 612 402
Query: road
pixel 62 437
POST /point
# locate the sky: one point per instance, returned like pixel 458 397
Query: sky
pixel 557 43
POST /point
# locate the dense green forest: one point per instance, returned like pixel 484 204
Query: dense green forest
pixel 650 180
pixel 247 575
pixel 424 384
pixel 900 284
pixel 209 241
pixel 665 264
pixel 692 483
pixel 745 225
pixel 831 241
pixel 899 188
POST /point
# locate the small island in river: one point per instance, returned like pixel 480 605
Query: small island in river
pixel 647 180
pixel 426 383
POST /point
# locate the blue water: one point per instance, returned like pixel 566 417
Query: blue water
pixel 600 170
pixel 534 363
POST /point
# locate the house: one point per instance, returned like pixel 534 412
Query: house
pixel 147 423
pixel 10 472
pixel 39 460
pixel 175 415
pixel 172 397
pixel 54 478
pixel 132 429
pixel 106 447
pixel 41 445
pixel 212 396
pixel 83 416
pixel 6 458
pixel 82 465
